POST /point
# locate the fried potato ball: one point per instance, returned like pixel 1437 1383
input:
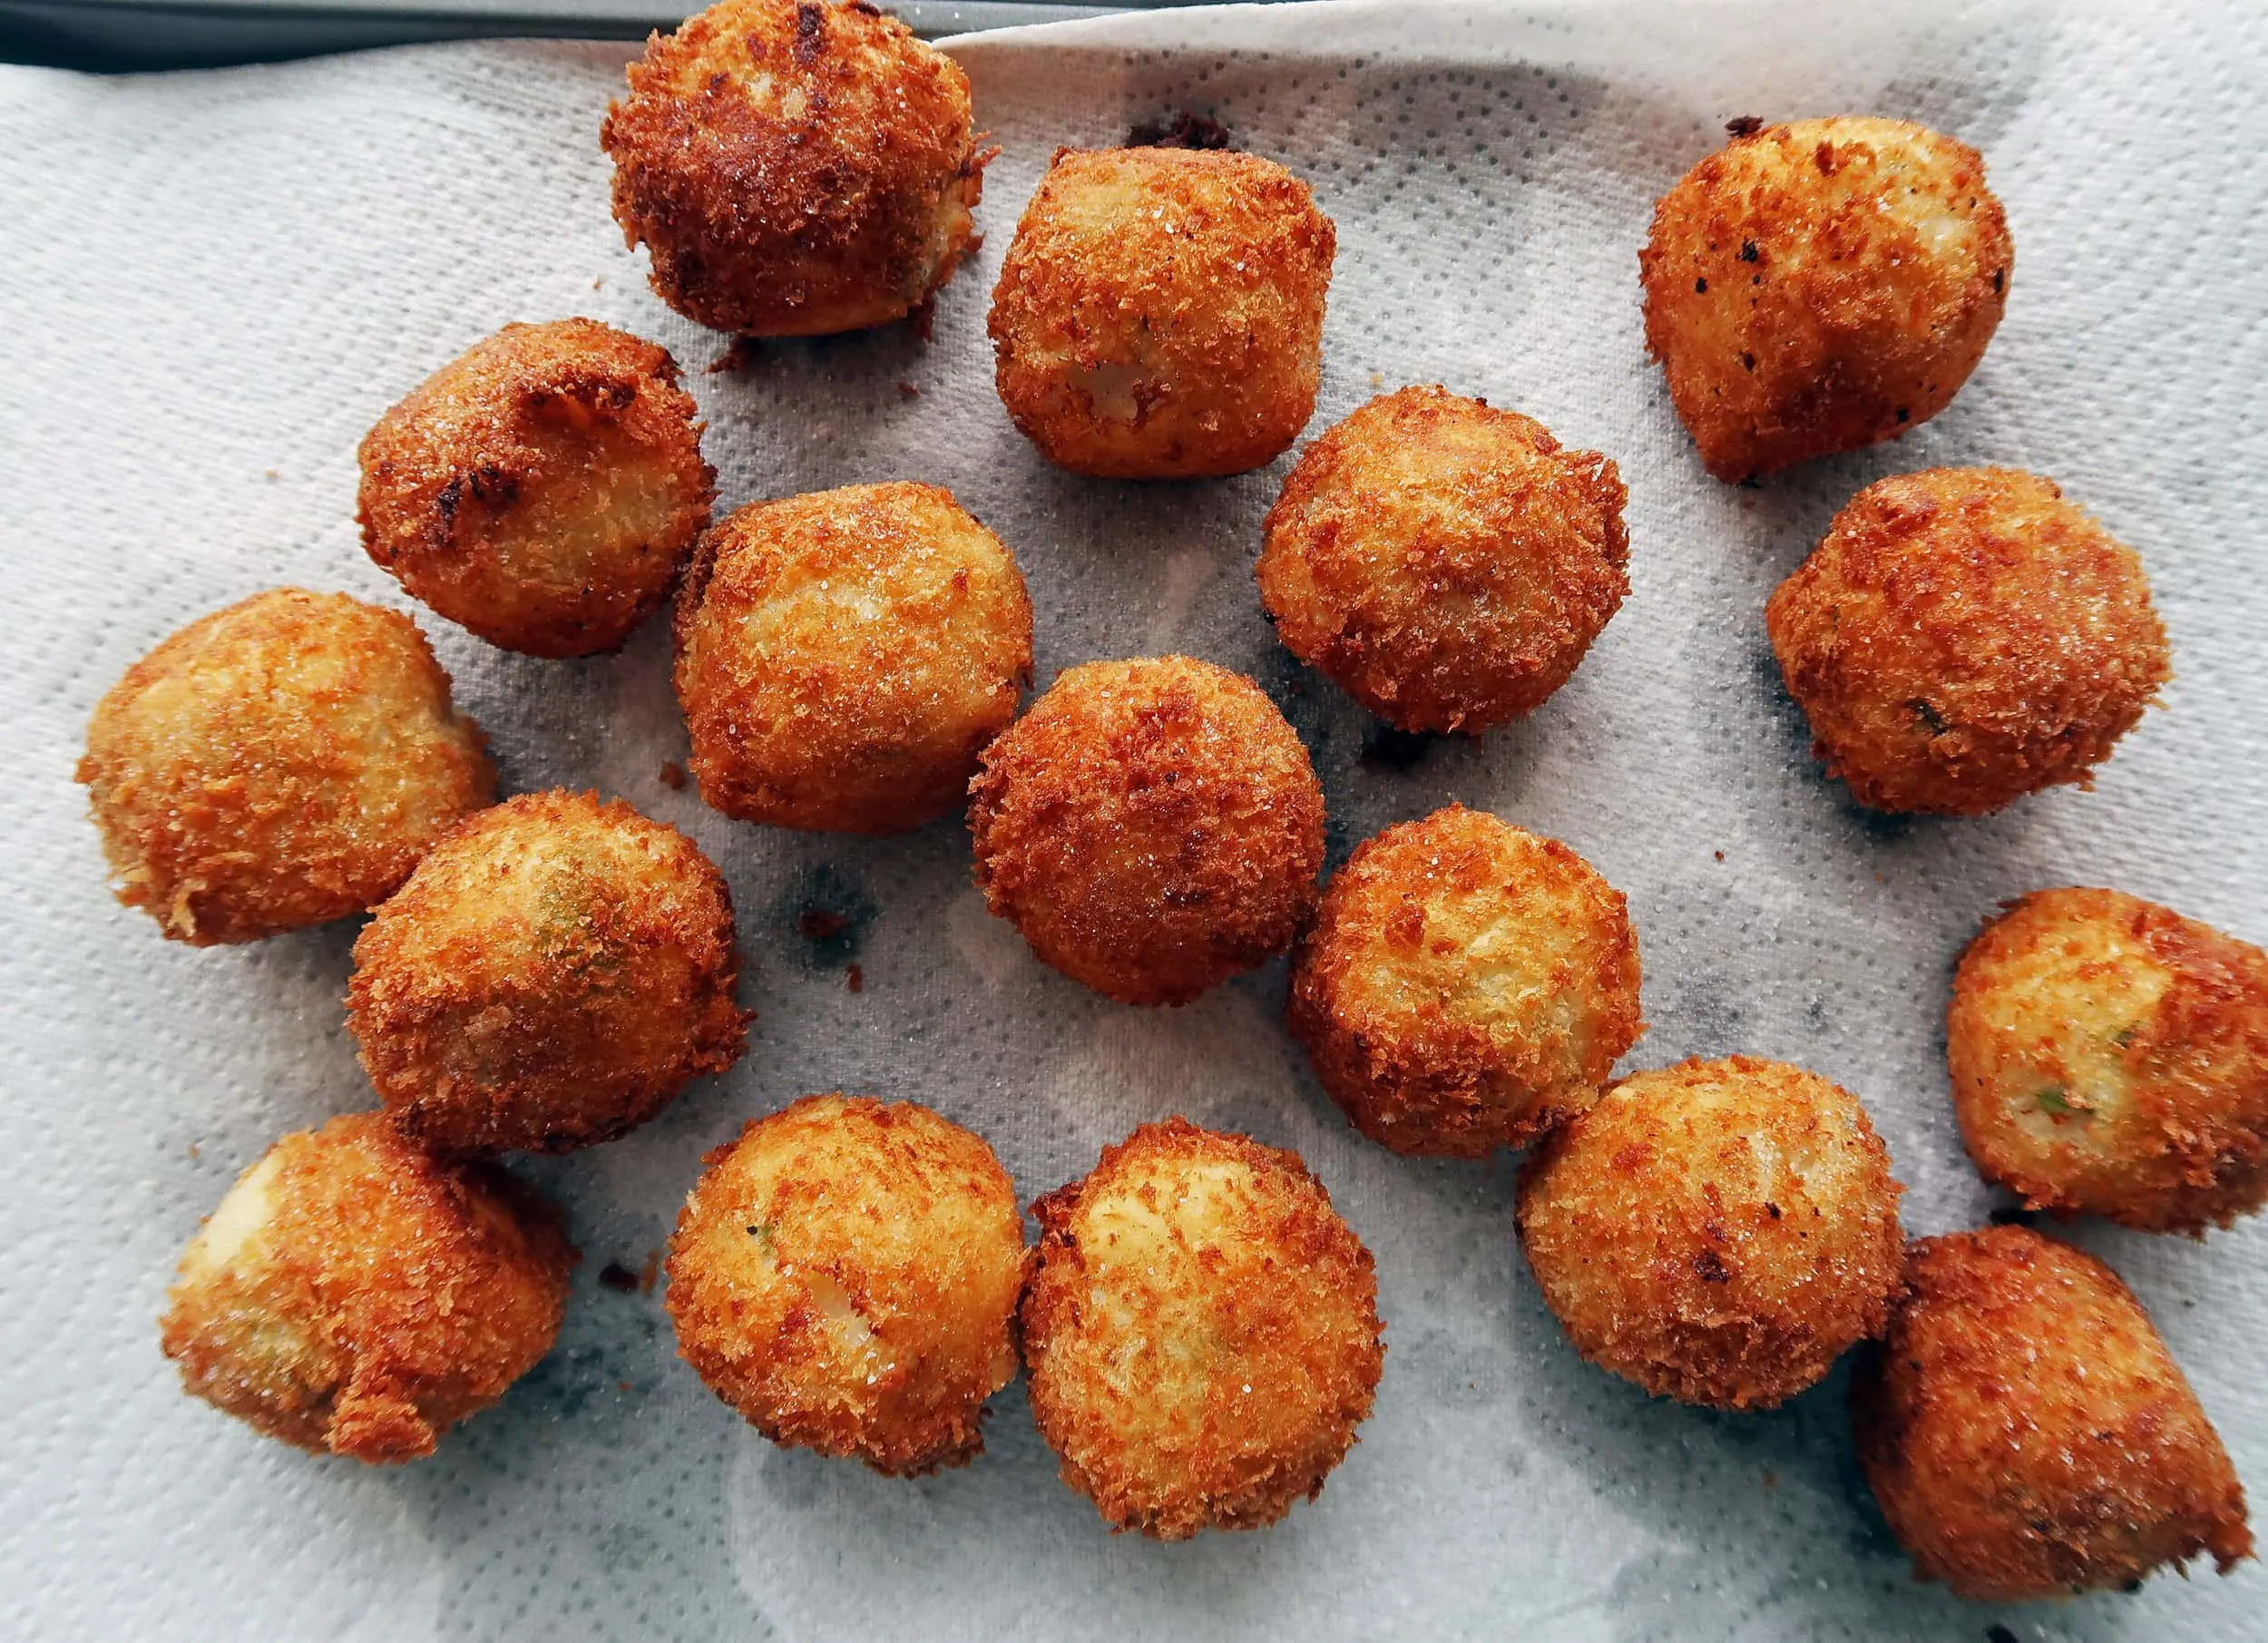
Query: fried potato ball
pixel 1444 562
pixel 1821 285
pixel 845 1274
pixel 280 763
pixel 1965 636
pixel 353 1296
pixel 2110 1057
pixel 1160 312
pixel 1465 985
pixel 844 657
pixel 1202 1331
pixel 1152 827
pixel 1718 1232
pixel 551 976
pixel 795 167
pixel 543 490
pixel 2026 1431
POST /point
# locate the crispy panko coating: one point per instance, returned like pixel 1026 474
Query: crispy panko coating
pixel 1446 563
pixel 844 657
pixel 2026 1431
pixel 551 976
pixel 1160 312
pixel 1152 827
pixel 1821 285
pixel 543 490
pixel 795 167
pixel 353 1296
pixel 1465 985
pixel 279 764
pixel 845 1274
pixel 1963 637
pixel 2110 1057
pixel 1201 1330
pixel 1719 1232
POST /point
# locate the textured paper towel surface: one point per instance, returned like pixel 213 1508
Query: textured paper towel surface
pixel 212 284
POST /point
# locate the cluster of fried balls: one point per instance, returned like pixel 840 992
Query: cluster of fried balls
pixel 1199 1325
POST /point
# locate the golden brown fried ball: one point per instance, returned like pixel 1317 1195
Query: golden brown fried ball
pixel 2110 1057
pixel 1963 637
pixel 1446 563
pixel 1821 285
pixel 1152 827
pixel 1160 312
pixel 1465 985
pixel 277 764
pixel 845 1274
pixel 2026 1431
pixel 550 975
pixel 1202 1331
pixel 844 657
pixel 351 1294
pixel 543 490
pixel 795 167
pixel 1718 1232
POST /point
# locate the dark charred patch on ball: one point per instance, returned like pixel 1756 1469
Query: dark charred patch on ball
pixel 810 31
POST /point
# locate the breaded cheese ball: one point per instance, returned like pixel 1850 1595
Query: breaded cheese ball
pixel 845 1274
pixel 1160 312
pixel 1719 1232
pixel 842 658
pixel 1465 985
pixel 1963 637
pixel 1821 285
pixel 352 1296
pixel 551 976
pixel 2110 1057
pixel 280 763
pixel 1445 564
pixel 2028 1435
pixel 1152 827
pixel 543 490
pixel 1201 1330
pixel 795 167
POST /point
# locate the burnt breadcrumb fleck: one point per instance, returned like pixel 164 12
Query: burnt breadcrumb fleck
pixel 1184 130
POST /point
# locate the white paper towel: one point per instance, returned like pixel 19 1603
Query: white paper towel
pixel 211 284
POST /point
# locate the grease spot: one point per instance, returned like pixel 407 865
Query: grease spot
pixel 830 914
pixel 1396 751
